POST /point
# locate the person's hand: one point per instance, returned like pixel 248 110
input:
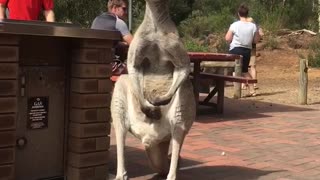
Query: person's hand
pixel 2 11
pixel 49 15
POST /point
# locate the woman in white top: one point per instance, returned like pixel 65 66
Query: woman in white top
pixel 241 35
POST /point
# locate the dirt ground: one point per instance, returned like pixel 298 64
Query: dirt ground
pixel 278 75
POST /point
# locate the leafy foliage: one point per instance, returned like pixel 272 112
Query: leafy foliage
pixel 314 55
pixel 196 20
pixel 193 46
pixel 206 15
pixel 80 12
pixel 179 10
pixel 199 24
pixel 271 43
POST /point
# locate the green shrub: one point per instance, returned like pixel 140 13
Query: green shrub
pixel 193 46
pixel 314 53
pixel 199 24
pixel 271 43
pixel 314 59
pixel 222 45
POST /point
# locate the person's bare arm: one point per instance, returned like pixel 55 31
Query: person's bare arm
pixel 229 36
pixel 128 38
pixel 256 37
pixel 49 15
pixel 2 11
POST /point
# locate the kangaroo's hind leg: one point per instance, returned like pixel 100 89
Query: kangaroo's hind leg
pixel 158 157
pixel 183 114
pixel 119 118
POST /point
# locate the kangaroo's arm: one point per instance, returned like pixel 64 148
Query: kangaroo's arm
pixel 135 71
pixel 181 62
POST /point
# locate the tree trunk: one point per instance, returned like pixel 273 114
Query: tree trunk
pixel 283 3
pixel 318 15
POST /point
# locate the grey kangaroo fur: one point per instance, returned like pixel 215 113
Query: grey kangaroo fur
pixel 155 101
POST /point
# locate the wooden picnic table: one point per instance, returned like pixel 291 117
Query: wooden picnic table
pixel 196 58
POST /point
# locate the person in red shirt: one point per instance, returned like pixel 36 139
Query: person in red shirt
pixel 27 9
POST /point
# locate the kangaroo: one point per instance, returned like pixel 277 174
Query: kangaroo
pixel 155 101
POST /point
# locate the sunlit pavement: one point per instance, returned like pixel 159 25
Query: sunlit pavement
pixel 251 140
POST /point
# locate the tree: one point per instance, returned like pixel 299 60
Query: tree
pixel 81 12
pixel 179 10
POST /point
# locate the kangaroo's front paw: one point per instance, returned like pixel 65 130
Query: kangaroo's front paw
pixel 160 101
pixel 151 112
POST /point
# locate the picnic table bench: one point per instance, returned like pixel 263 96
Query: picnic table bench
pixel 197 57
pixel 219 88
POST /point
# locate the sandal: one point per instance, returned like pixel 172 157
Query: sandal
pixel 252 94
pixel 244 86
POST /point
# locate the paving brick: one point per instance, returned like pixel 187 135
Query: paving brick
pixel 7 172
pixel 91 173
pixel 87 159
pixel 89 130
pixel 6 155
pixel 90 100
pixel 91 85
pixel 7 121
pixel 8 87
pixel 8 71
pixel 7 138
pixel 78 145
pixel 90 115
pixel 91 70
pixel 259 144
pixel 8 104
pixel 92 56
pixel 9 53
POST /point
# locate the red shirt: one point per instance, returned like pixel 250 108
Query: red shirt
pixel 27 9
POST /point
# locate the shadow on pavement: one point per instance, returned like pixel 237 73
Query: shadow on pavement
pixel 269 94
pixel 138 168
pixel 241 109
pixel 137 163
pixel 222 172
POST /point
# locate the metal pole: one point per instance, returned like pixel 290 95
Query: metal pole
pixel 318 15
pixel 130 15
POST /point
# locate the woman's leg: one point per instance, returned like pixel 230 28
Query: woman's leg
pixel 246 53
pixel 245 69
pixel 253 70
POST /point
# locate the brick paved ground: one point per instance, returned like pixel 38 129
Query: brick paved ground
pixel 260 140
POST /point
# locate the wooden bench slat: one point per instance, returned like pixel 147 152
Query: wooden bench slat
pixel 228 78
pixel 213 56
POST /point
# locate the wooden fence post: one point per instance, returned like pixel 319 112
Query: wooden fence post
pixel 303 82
pixel 237 73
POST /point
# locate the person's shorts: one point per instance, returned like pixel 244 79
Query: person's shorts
pixel 246 53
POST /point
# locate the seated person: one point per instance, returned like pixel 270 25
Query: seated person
pixel 112 20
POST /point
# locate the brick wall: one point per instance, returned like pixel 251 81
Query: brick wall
pixel 89 123
pixel 8 104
